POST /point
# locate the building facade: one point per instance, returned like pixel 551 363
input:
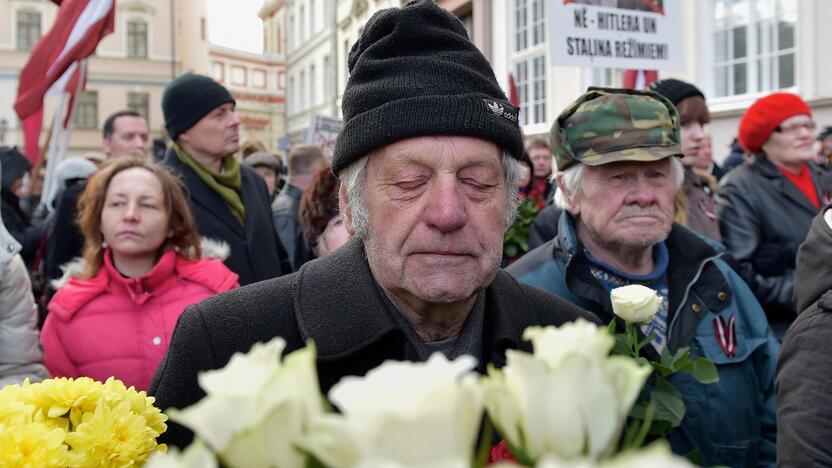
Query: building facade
pixel 153 41
pixel 735 51
pixel 304 31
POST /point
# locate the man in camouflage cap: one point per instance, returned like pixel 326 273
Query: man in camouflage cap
pixel 616 151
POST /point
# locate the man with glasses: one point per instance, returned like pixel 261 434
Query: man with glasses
pixel 765 208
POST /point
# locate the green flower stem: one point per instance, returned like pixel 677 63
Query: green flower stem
pixel 486 437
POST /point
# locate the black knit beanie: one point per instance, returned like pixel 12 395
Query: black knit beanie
pixel 414 73
pixel 188 98
pixel 675 90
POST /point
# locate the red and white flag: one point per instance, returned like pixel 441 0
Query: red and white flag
pixel 639 79
pixel 54 64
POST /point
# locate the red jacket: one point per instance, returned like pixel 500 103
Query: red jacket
pixel 115 326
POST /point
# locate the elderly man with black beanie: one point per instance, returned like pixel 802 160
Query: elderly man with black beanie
pixel 230 201
pixel 428 159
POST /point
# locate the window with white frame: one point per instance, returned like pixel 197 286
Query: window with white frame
pixel 86 110
pixel 754 46
pixel 312 18
pixel 313 91
pixel 328 86
pixel 136 39
pixel 529 60
pixel 607 77
pixel 28 29
pixel 292 105
pixel 302 24
pixel 302 102
pixel 139 102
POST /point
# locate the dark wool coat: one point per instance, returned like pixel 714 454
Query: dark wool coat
pixel 256 252
pixel 804 368
pixel 763 219
pixel 336 302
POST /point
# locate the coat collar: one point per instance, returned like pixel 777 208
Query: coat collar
pixel 343 280
pixel 689 271
pixel 203 195
pixel 768 170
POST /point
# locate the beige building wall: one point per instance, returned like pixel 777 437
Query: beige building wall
pixel 176 42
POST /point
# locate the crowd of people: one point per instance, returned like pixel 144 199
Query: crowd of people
pixel 152 269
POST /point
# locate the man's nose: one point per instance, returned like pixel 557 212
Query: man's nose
pixel 234 119
pixel 446 204
pixel 642 193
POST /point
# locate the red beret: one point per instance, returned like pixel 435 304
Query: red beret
pixel 765 115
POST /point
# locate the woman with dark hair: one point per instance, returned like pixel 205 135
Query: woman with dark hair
pixel 766 207
pixel 142 265
pixel 322 226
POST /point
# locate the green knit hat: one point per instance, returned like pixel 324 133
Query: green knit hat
pixel 188 99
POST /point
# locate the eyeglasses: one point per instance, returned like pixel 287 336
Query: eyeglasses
pixel 793 129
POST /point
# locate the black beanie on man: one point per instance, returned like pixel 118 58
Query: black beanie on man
pixel 675 90
pixel 414 73
pixel 188 99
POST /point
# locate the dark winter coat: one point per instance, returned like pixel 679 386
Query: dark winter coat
pixel 336 302
pixel 285 209
pixel 65 241
pixel 256 252
pixel 763 220
pixel 804 368
pixel 19 225
pixel 544 227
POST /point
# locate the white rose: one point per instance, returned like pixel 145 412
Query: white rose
pixel 635 303
pixel 257 407
pixel 566 401
pixel 402 414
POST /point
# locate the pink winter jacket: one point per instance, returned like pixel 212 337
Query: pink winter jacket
pixel 115 326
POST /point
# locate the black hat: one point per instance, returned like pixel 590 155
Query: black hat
pixel 675 90
pixel 825 133
pixel 188 98
pixel 13 165
pixel 414 73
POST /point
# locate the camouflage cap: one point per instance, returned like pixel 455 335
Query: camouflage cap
pixel 606 125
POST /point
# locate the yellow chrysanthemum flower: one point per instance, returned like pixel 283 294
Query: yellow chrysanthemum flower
pixel 116 392
pixel 56 397
pixel 111 436
pixel 33 444
pixel 13 411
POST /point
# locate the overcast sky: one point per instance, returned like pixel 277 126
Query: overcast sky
pixel 235 24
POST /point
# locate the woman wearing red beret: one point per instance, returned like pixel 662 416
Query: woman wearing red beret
pixel 765 208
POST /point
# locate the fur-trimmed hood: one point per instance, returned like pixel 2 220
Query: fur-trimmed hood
pixel 211 248
pixel 209 271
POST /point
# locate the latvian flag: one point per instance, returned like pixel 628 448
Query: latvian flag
pixel 53 65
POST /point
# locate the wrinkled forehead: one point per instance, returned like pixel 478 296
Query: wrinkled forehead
pixel 438 152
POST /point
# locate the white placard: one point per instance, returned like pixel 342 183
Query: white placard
pixel 629 34
pixel 322 131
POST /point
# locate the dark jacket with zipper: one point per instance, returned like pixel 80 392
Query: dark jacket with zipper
pixel 804 368
pixel 336 302
pixel 256 252
pixel 731 422
pixel 763 219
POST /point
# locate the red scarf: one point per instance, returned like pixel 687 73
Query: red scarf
pixel 803 181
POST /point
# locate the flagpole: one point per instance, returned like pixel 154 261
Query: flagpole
pixel 49 158
pixel 60 141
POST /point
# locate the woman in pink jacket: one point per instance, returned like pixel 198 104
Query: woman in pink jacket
pixel 142 266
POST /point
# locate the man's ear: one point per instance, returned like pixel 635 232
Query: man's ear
pixel 344 208
pixel 570 197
